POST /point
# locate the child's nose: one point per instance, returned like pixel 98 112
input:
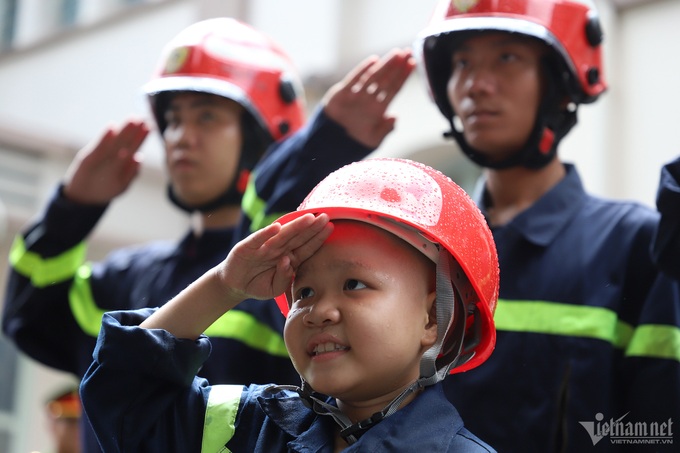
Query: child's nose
pixel 323 312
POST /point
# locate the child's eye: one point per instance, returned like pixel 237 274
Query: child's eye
pixel 353 284
pixel 304 293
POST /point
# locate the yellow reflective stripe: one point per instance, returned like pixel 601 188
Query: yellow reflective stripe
pixel 244 327
pixel 563 319
pixel 85 310
pixel 655 340
pixel 43 272
pixel 254 207
pixel 235 324
pixel 46 271
pixel 220 417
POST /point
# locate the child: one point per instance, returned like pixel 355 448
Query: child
pixel 385 301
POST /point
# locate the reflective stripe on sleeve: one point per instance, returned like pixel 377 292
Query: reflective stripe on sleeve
pixel 244 327
pixel 85 310
pixel 234 324
pixel 44 272
pixel 220 417
pixel 254 207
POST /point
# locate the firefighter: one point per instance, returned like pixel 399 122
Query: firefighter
pixel 588 328
pixel 666 247
pixel 223 95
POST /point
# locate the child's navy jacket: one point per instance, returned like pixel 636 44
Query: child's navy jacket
pixel 141 394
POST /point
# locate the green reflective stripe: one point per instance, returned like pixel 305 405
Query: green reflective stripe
pixel 245 328
pixel 655 340
pixel 46 271
pixel 85 311
pixel 563 319
pixel 220 417
pixel 254 207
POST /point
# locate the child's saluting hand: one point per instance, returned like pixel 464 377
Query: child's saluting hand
pixel 261 266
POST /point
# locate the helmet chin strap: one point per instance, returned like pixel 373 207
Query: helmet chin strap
pixel 231 197
pixel 540 149
pixel 350 432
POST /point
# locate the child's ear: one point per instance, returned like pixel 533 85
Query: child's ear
pixel 430 332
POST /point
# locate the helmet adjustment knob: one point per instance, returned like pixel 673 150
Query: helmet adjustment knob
pixel 593 76
pixel 287 91
pixel 594 33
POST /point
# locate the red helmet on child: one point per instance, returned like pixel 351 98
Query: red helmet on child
pixel 228 58
pixel 429 211
pixel 569 28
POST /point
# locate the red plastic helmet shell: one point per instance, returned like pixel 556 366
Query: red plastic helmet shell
pixel 570 27
pixel 393 194
pixel 226 57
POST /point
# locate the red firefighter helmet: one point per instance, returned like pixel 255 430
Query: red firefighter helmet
pixel 228 58
pixel 65 405
pixel 432 213
pixel 571 28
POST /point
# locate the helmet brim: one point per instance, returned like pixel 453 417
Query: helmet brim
pixel 203 85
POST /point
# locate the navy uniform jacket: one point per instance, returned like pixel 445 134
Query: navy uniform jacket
pixel 142 405
pixel 55 299
pixel 667 240
pixel 586 326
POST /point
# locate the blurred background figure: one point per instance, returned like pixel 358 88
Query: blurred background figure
pixel 63 418
pixel 585 321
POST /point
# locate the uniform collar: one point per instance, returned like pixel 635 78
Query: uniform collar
pixel 542 222
pixel 310 432
pixel 404 428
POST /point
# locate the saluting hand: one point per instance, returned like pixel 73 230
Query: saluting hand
pixel 359 102
pixel 263 265
pixel 104 169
